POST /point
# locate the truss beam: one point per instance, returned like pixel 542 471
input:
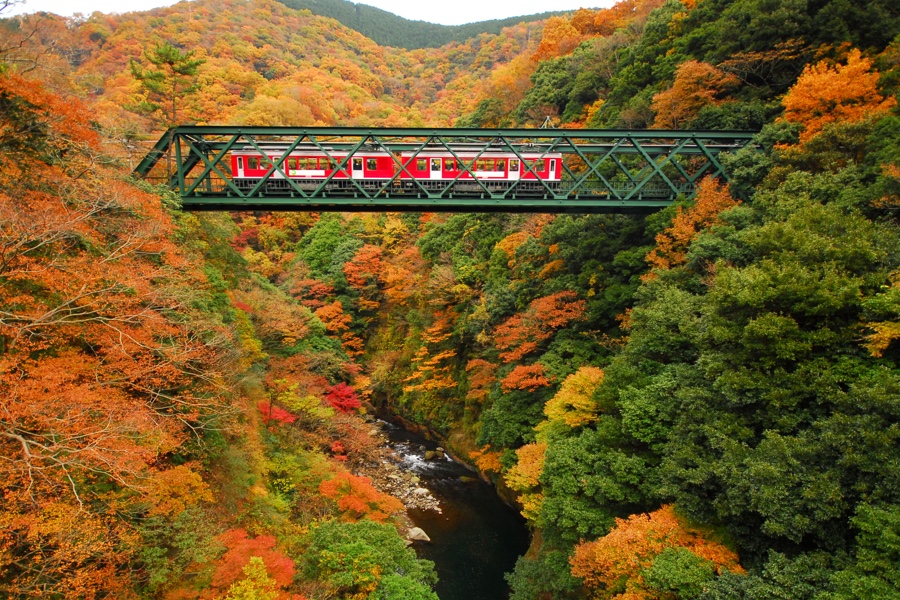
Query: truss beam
pixel 602 170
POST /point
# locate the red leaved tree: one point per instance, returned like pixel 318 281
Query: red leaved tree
pixel 274 413
pixel 343 398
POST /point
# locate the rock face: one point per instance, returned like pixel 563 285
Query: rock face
pixel 416 534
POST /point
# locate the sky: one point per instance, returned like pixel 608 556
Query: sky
pixel 434 11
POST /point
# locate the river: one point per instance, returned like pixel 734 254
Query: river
pixel 476 539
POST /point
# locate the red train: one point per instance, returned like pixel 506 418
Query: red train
pixel 427 169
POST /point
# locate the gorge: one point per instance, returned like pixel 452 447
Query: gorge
pixel 699 402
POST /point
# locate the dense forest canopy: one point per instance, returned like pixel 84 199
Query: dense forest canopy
pixel 698 403
pixel 387 29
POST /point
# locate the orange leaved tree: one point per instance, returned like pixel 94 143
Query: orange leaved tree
pixel 357 499
pixel 523 333
pixel 620 565
pixel 834 94
pixel 672 244
pixel 525 377
pixel 696 85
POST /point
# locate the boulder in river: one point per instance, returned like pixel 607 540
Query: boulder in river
pixel 416 534
pixel 430 455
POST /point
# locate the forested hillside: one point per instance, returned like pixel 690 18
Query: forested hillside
pixel 387 29
pixel 701 403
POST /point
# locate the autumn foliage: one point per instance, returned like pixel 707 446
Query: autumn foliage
pixel 574 405
pixel 671 245
pixel 106 366
pixel 486 460
pixel 524 477
pixel 356 498
pixel 697 84
pixel 522 334
pixel 272 413
pixel 525 377
pixel 240 547
pixel 827 93
pixel 612 565
pixel 433 363
pixel 481 376
pixel 364 268
pixel 559 38
pixel 343 398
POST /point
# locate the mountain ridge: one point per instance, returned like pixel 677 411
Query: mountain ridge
pixel 387 29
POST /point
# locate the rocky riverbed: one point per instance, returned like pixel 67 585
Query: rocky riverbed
pixel 394 473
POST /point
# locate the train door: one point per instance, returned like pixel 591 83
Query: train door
pixel 357 168
pixel 276 174
pixel 240 166
pixel 514 169
pixel 436 172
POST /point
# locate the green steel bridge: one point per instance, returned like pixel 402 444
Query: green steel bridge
pixel 602 170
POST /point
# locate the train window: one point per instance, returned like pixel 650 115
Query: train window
pixel 539 166
pixel 435 164
pixel 357 164
pixel 292 164
pixel 552 166
pixel 371 164
pixel 450 164
pixel 240 162
pixel 252 162
pixel 500 166
pixel 330 164
pixel 514 165
pixel 482 165
pixel 421 164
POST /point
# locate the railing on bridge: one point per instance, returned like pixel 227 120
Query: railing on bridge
pixel 602 170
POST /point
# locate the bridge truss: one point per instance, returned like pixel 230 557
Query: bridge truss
pixel 603 170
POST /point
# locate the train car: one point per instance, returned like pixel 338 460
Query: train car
pixel 434 169
pixel 438 170
pixel 308 168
